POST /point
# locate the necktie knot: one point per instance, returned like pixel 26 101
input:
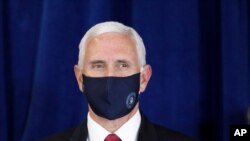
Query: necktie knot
pixel 112 137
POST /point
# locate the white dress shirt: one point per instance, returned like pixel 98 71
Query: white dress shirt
pixel 127 132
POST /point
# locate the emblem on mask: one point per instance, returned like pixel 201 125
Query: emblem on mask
pixel 131 100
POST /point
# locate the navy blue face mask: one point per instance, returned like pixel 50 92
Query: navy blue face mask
pixel 112 97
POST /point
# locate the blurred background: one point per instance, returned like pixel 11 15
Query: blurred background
pixel 199 51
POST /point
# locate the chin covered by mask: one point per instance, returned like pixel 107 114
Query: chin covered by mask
pixel 112 97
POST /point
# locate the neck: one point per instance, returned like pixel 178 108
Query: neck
pixel 112 125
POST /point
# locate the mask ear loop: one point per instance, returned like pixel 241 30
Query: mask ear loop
pixel 141 70
pixel 82 84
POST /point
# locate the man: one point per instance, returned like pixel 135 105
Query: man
pixel 112 73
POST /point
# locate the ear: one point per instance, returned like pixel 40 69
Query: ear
pixel 79 79
pixel 145 77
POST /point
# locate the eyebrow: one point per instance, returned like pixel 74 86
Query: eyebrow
pixel 97 62
pixel 103 62
pixel 123 61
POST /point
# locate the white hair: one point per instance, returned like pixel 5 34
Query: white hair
pixel 107 27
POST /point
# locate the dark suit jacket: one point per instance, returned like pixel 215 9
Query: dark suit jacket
pixel 147 132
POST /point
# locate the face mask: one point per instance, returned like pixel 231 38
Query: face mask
pixel 112 97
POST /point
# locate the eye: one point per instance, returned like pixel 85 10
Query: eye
pixel 123 66
pixel 98 66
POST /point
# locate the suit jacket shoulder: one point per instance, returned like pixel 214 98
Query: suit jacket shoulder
pixel 73 134
pixel 149 131
pixel 61 136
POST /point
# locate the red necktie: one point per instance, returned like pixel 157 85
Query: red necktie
pixel 112 137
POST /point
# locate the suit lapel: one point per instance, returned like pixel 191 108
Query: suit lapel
pixel 147 130
pixel 80 133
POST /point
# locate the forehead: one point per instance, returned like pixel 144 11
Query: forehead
pixel 112 37
pixel 118 43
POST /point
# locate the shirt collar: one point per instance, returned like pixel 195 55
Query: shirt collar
pixel 127 132
pixel 93 129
